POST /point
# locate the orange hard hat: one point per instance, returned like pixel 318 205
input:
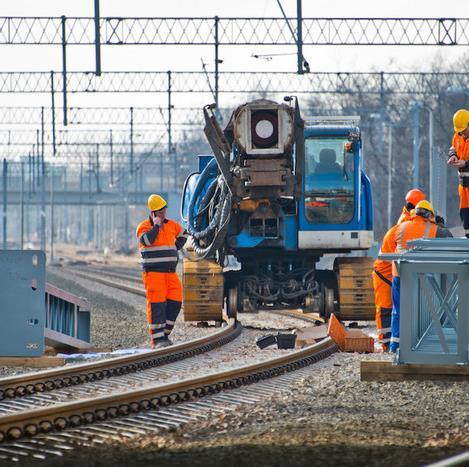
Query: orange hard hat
pixel 414 196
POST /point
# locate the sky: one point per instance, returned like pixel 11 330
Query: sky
pixel 235 58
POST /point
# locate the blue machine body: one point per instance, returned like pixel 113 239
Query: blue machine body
pixel 307 228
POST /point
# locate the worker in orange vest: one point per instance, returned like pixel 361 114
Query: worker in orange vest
pixel 421 225
pixel 458 157
pixel 159 240
pixel 382 272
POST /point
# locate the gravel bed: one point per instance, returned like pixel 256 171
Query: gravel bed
pixel 265 320
pixel 327 418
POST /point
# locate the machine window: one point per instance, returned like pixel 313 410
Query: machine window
pixel 329 180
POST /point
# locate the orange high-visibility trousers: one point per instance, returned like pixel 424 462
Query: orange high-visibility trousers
pixel 464 207
pixel 164 298
pixel 383 302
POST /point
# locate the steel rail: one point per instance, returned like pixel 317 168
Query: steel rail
pixel 116 275
pixel 87 411
pixel 48 380
pixel 138 291
pixel 100 280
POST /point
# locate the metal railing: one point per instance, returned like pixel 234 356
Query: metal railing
pixel 68 315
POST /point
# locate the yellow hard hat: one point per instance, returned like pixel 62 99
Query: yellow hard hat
pixel 461 120
pixel 156 202
pixel 426 205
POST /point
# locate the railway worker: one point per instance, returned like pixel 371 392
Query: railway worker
pixel 159 240
pixel 458 158
pixel 421 225
pixel 382 273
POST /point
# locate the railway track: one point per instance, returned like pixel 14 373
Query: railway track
pixel 39 383
pixel 51 412
pixel 123 411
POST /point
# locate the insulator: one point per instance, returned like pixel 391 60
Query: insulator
pixel 49 385
pixel 88 417
pixel 155 402
pixel 60 423
pixel 145 405
pixel 74 420
pixel 14 433
pixel 112 412
pixel 124 409
pixel 31 430
pixel 100 414
pixel 165 400
pixel 134 407
pixel 45 426
pixel 58 383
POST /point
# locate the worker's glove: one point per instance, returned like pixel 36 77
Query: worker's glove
pixel 452 153
pixel 439 220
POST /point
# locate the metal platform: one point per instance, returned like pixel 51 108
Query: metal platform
pixel 33 313
pixel 434 320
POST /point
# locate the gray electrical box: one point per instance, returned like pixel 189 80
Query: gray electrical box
pixel 22 304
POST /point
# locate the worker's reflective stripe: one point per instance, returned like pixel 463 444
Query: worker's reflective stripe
pixel 400 233
pixel 163 253
pixel 395 339
pixel 169 322
pixel 156 326
pixel 184 234
pixel 158 334
pixel 383 330
pixel 158 248
pixel 165 259
pixel 466 231
pixel 427 229
pixel 463 174
pixel 144 239
pixel 384 341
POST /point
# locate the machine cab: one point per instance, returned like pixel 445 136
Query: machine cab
pixel 335 211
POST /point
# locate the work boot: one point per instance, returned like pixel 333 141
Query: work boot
pixel 169 341
pixel 162 343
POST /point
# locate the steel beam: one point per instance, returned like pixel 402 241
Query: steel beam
pixel 235 31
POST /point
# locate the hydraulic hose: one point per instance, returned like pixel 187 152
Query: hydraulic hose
pixel 208 218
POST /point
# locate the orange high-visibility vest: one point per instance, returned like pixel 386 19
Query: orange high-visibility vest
pixel 382 266
pixel 417 227
pixel 462 147
pixel 160 255
pixel 405 216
